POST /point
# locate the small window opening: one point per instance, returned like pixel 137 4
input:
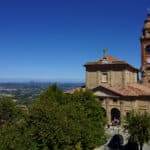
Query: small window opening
pixel 105 77
pixel 115 100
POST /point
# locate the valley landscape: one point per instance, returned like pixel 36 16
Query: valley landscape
pixel 26 92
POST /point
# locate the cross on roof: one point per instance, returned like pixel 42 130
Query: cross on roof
pixel 104 52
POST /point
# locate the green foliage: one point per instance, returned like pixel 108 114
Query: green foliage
pixel 54 95
pixel 13 132
pixel 57 122
pixel 138 126
pixel 64 121
pixel 14 138
pixel 92 122
pixel 8 111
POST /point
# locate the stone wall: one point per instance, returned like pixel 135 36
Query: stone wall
pixel 124 106
pixel 91 79
pixel 115 78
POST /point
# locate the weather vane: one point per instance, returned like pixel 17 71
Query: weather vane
pixel 104 52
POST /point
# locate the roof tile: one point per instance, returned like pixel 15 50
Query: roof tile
pixel 134 89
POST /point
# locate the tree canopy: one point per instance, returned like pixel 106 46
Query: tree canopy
pixel 57 122
pixel 138 126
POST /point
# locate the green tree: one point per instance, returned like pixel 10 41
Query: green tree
pixel 16 137
pixel 14 134
pixel 55 121
pixel 138 126
pixel 71 122
pixel 8 110
pixel 92 126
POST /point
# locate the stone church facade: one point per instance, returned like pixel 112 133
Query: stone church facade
pixel 115 82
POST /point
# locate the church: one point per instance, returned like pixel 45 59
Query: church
pixel 115 83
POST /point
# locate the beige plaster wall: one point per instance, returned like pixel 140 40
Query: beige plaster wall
pixel 91 79
pixel 115 78
pixel 125 106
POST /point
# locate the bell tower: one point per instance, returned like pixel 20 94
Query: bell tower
pixel 145 52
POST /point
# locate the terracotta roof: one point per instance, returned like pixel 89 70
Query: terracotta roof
pixel 134 89
pixel 109 58
pixel 74 90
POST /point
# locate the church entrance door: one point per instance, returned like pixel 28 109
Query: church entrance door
pixel 115 116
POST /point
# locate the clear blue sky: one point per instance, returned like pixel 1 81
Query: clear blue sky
pixel 52 39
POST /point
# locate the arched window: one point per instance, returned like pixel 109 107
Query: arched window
pixel 148 49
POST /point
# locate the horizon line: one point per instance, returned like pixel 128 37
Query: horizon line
pixel 25 80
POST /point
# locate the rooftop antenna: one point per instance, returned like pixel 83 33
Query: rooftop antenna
pixel 104 52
